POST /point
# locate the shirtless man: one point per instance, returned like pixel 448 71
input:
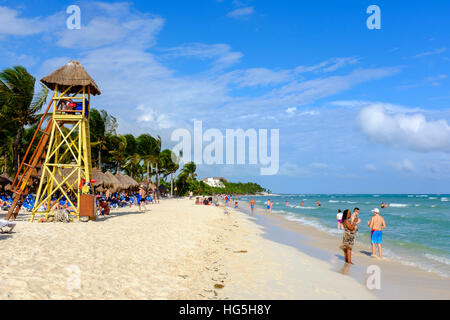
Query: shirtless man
pixel 355 217
pixel 141 198
pixel 376 224
pixel 252 204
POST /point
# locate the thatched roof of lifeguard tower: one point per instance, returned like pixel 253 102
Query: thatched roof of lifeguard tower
pixel 72 74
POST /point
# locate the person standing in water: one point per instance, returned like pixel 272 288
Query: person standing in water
pixel 349 236
pixel 252 205
pixel 271 206
pixel 268 204
pixel 339 220
pixel 376 224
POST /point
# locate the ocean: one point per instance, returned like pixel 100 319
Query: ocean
pixel 418 225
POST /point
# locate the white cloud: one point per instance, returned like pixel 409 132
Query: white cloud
pixel 328 65
pixel 405 165
pixel 13 25
pixel 430 53
pixel 291 170
pixel 241 12
pixel 319 165
pixel 156 119
pixel 370 167
pixel 114 23
pixel 410 131
pixel 257 77
pixel 221 54
pixel 435 81
pixel 361 104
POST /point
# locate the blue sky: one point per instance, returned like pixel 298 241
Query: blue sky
pixel 359 110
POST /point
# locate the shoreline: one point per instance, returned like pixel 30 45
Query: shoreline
pixel 398 281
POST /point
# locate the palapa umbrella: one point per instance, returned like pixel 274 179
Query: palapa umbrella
pixel 102 181
pixel 124 182
pixel 72 74
pixel 67 172
pixel 133 182
pixel 116 184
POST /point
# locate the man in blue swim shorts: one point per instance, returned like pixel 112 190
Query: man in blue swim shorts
pixel 376 224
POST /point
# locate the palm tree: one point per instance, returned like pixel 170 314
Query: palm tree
pixel 189 169
pixel 168 166
pixel 149 148
pixel 132 165
pixel 18 102
pixel 101 124
pixel 119 153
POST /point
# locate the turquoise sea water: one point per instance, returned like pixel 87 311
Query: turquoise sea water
pixel 418 225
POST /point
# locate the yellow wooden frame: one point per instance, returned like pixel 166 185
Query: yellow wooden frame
pixel 60 144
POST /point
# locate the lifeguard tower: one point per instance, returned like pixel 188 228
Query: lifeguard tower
pixel 61 160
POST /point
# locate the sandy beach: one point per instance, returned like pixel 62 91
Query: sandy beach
pixel 174 250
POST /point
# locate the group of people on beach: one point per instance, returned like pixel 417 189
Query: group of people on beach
pixel 349 221
pixel 214 200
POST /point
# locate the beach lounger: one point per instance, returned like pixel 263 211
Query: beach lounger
pixel 6 224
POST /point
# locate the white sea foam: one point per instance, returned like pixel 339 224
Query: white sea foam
pixel 444 199
pixel 310 222
pixel 422 196
pixel 333 201
pixel 398 205
pixel 440 259
pixel 432 198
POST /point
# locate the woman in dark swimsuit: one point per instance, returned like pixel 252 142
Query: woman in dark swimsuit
pixel 349 236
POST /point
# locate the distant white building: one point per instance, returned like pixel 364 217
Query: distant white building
pixel 215 182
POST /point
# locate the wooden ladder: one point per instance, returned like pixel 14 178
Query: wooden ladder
pixel 30 165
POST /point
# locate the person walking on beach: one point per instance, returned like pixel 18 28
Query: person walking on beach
pixel 349 236
pixel 252 205
pixel 268 204
pixel 271 206
pixel 376 224
pixel 141 198
pixel 339 220
pixel 190 195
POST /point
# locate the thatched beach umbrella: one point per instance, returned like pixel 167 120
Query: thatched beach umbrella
pixel 116 184
pixel 124 182
pixel 133 183
pixel 65 172
pixel 102 181
pixel 72 74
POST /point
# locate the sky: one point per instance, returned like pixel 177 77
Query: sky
pixel 358 110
